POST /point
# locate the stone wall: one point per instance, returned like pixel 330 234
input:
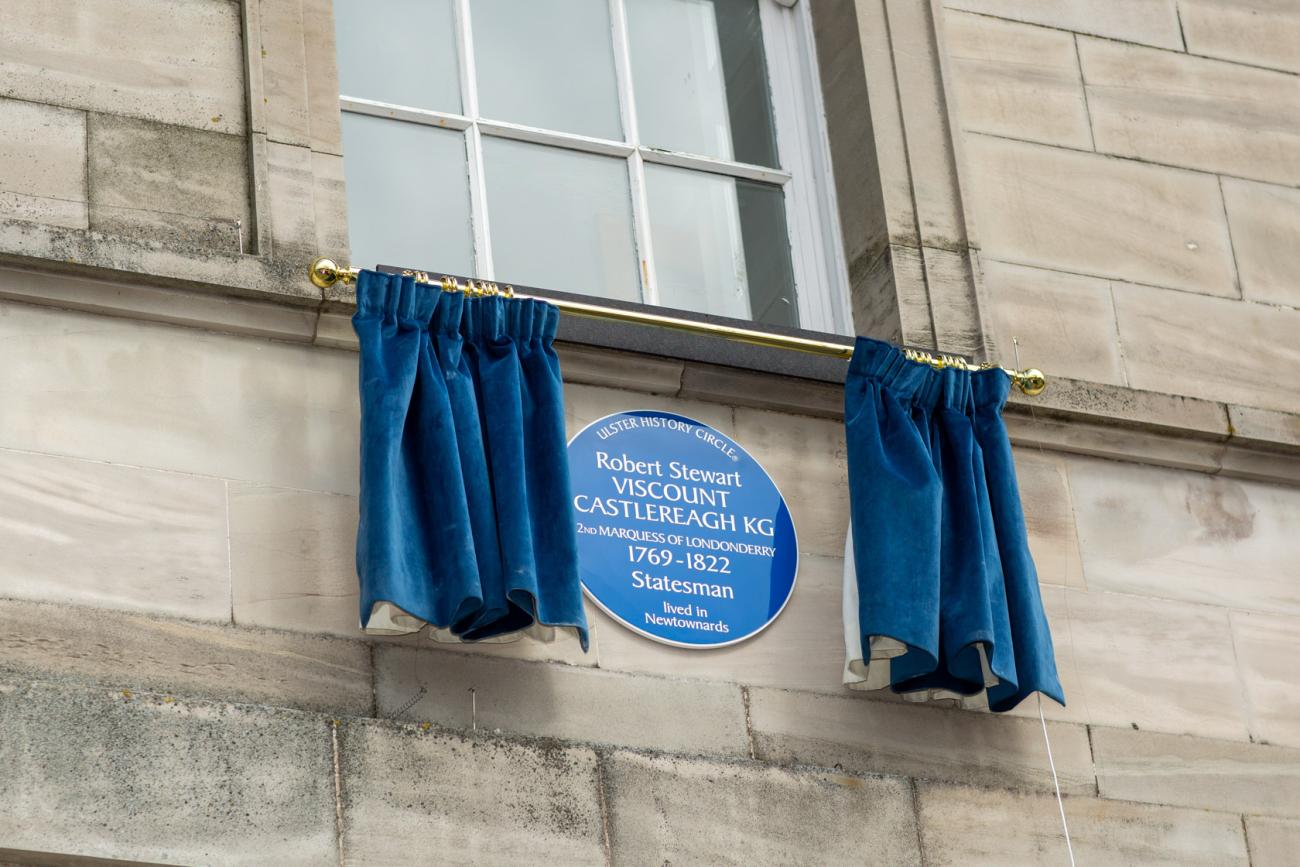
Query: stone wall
pixel 183 681
pixel 1110 182
pixel 1133 169
pixel 191 141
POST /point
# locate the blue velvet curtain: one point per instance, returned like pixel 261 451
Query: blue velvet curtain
pixel 466 516
pixel 941 594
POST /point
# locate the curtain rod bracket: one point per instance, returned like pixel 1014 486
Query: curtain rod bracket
pixel 326 273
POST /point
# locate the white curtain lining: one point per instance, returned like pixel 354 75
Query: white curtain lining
pixel 869 671
pixel 388 619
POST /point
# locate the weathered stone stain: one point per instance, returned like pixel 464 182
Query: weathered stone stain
pixel 1222 509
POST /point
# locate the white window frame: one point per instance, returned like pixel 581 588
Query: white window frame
pixel 821 278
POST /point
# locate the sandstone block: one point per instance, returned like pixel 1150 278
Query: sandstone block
pixel 1125 220
pixel 1166 346
pixel 1049 517
pixel 42 164
pixel 1168 107
pixel 955 824
pixel 183 187
pixel 871 735
pixel 111 648
pixel 1265 221
pixel 548 700
pixel 1273 842
pixel 1197 772
pixel 1190 536
pixel 412 797
pixel 90 772
pixel 113 536
pixel 1153 664
pixel 1258 32
pixel 808 460
pixel 181 399
pixel 684 811
pixel 176 62
pixel 1016 80
pixel 1150 22
pixel 1063 323
pixel 1267 646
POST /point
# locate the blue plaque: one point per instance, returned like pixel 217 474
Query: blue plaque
pixel 682 535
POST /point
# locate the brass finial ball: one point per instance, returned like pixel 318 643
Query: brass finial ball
pixel 1032 382
pixel 324 273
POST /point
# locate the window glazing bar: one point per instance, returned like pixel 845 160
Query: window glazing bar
pixel 374 108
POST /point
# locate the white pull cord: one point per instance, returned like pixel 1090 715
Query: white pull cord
pixel 1060 804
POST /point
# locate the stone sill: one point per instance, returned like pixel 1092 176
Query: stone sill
pixel 1072 415
pixel 282 279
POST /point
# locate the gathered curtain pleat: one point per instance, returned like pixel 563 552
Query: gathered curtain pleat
pixel 941 597
pixel 466 518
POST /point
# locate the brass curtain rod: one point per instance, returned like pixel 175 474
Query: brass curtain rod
pixel 325 273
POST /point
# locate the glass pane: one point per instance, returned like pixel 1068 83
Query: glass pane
pixel 772 297
pixel 721 246
pixel 701 78
pixel 547 63
pixel 695 229
pixel 399 51
pixel 408 195
pixel 560 219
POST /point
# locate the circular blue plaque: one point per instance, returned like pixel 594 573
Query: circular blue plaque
pixel 682 535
